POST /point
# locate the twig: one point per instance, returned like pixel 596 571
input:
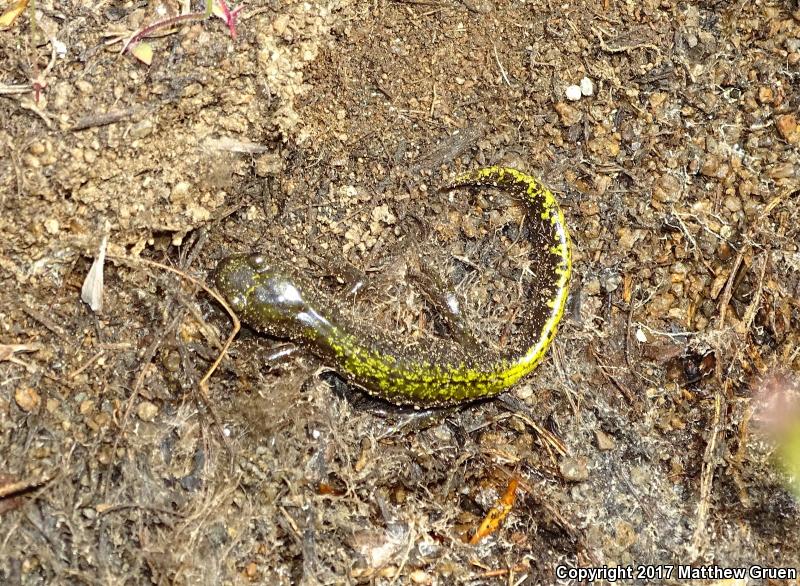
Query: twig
pixel 628 328
pixel 573 531
pixel 12 488
pixel 7 90
pixel 104 509
pixel 47 322
pixel 33 108
pixel 102 119
pixel 671 335
pixel 728 291
pixel 750 314
pixel 85 365
pixel 622 388
pixel 500 65
pixel 500 572
pixel 686 233
pixel 412 535
pixel 516 409
pixel 710 460
pixel 7 352
pixel 150 352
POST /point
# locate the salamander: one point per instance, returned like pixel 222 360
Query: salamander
pixel 274 299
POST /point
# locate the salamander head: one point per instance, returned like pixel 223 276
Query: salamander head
pixel 263 294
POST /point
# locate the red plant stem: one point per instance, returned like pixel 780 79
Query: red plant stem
pixel 159 24
pixel 228 18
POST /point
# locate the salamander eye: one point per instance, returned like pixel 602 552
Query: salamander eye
pixel 257 262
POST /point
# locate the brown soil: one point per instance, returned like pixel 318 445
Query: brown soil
pixel 322 134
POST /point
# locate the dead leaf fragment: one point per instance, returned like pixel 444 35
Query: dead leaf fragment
pixel 92 289
pixel 9 16
pixel 143 52
pixel 497 514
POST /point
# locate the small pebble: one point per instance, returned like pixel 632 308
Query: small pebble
pixel 788 128
pixel 610 280
pixel 573 93
pixel 51 405
pixel 27 399
pixel 714 167
pixel 37 148
pixel 382 213
pixel 147 411
pixel 627 238
pixel 421 577
pixel 269 164
pixel 84 86
pixel 280 24
pixel 61 95
pixel 523 392
pixel 52 226
pixel 782 171
pixel 733 204
pixel 141 129
pixel 171 361
pixel 592 286
pixel 31 161
pixel 765 94
pixel 604 441
pixel 479 6
pixel 180 192
pixel 574 469
pixel 724 251
pixel 626 535
pixel 667 189
pixel 60 47
pixel 86 407
pixel 603 182
pixel 568 114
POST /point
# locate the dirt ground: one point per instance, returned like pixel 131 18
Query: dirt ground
pixel 321 134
